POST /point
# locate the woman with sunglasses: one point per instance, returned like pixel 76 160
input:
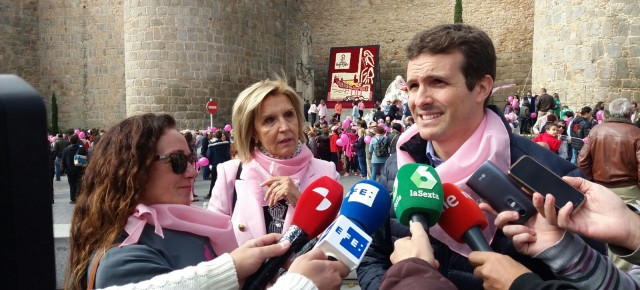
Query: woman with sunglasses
pixel 259 191
pixel 133 221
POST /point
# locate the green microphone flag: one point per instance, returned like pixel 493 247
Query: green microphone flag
pixel 417 190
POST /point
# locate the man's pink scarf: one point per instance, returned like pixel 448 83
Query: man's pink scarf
pixel 490 141
pixel 183 218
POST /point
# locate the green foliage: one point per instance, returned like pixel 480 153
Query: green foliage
pixel 54 115
pixel 457 14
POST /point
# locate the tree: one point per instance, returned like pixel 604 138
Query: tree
pixel 457 14
pixel 54 115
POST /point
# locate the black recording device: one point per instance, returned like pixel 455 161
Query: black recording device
pixel 495 187
pixel 534 177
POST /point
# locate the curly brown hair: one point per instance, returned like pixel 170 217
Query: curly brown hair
pixel 117 172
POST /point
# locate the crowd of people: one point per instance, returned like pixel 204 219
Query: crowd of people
pixel 134 227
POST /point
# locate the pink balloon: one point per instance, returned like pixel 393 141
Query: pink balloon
pixel 81 135
pixel 214 129
pixel 203 161
pixel 510 99
pixel 227 127
pixel 367 139
pixel 344 138
pixel 533 115
pixel 76 131
pixel 339 142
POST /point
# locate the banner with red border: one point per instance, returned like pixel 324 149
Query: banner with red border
pixel 352 73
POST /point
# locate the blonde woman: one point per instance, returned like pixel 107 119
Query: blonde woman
pixel 260 190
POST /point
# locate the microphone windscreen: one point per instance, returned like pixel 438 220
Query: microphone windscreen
pixel 460 213
pixel 318 206
pixel 367 203
pixel 417 190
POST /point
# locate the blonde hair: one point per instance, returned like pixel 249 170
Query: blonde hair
pixel 361 132
pixel 247 107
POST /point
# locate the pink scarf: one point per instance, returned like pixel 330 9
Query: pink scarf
pixel 490 141
pixel 183 218
pixel 263 167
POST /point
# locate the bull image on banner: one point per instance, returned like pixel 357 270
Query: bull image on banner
pixel 352 73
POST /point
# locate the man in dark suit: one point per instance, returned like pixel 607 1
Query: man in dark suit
pixel 532 107
pixel 306 110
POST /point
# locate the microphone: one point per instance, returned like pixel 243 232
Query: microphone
pixel 363 211
pixel 462 219
pixel 417 195
pixel 317 207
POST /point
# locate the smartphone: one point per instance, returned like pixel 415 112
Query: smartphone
pixel 499 191
pixel 533 176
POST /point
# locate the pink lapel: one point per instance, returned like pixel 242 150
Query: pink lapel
pixel 247 218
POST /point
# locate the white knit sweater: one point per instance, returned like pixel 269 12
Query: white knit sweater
pixel 219 273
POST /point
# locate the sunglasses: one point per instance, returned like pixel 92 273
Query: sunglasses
pixel 178 160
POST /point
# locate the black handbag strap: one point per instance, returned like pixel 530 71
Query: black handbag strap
pixel 235 194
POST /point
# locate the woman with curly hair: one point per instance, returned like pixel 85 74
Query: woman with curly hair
pixel 133 222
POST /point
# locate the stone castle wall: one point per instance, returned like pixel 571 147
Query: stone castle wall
pixel 81 56
pixel 108 59
pixel 19 39
pixel 391 24
pixel 587 51
pixel 180 54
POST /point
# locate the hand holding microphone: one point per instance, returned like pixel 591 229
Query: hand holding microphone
pixel 316 209
pixel 417 202
pixel 416 246
pixel 324 274
pixel 248 257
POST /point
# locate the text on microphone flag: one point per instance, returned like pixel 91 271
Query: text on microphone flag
pixel 353 242
pixel 363 193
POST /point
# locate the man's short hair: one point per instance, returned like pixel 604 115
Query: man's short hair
pixel 409 119
pixel 474 44
pixel 585 110
pixel 74 139
pixel 397 127
pixel 60 135
pixel 620 108
pixel 568 114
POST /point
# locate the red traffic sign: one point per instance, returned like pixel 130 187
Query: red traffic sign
pixel 212 107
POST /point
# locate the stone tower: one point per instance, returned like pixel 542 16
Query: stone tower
pixel 587 51
pixel 109 59
pixel 180 54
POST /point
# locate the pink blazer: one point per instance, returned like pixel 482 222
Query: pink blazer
pixel 248 218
